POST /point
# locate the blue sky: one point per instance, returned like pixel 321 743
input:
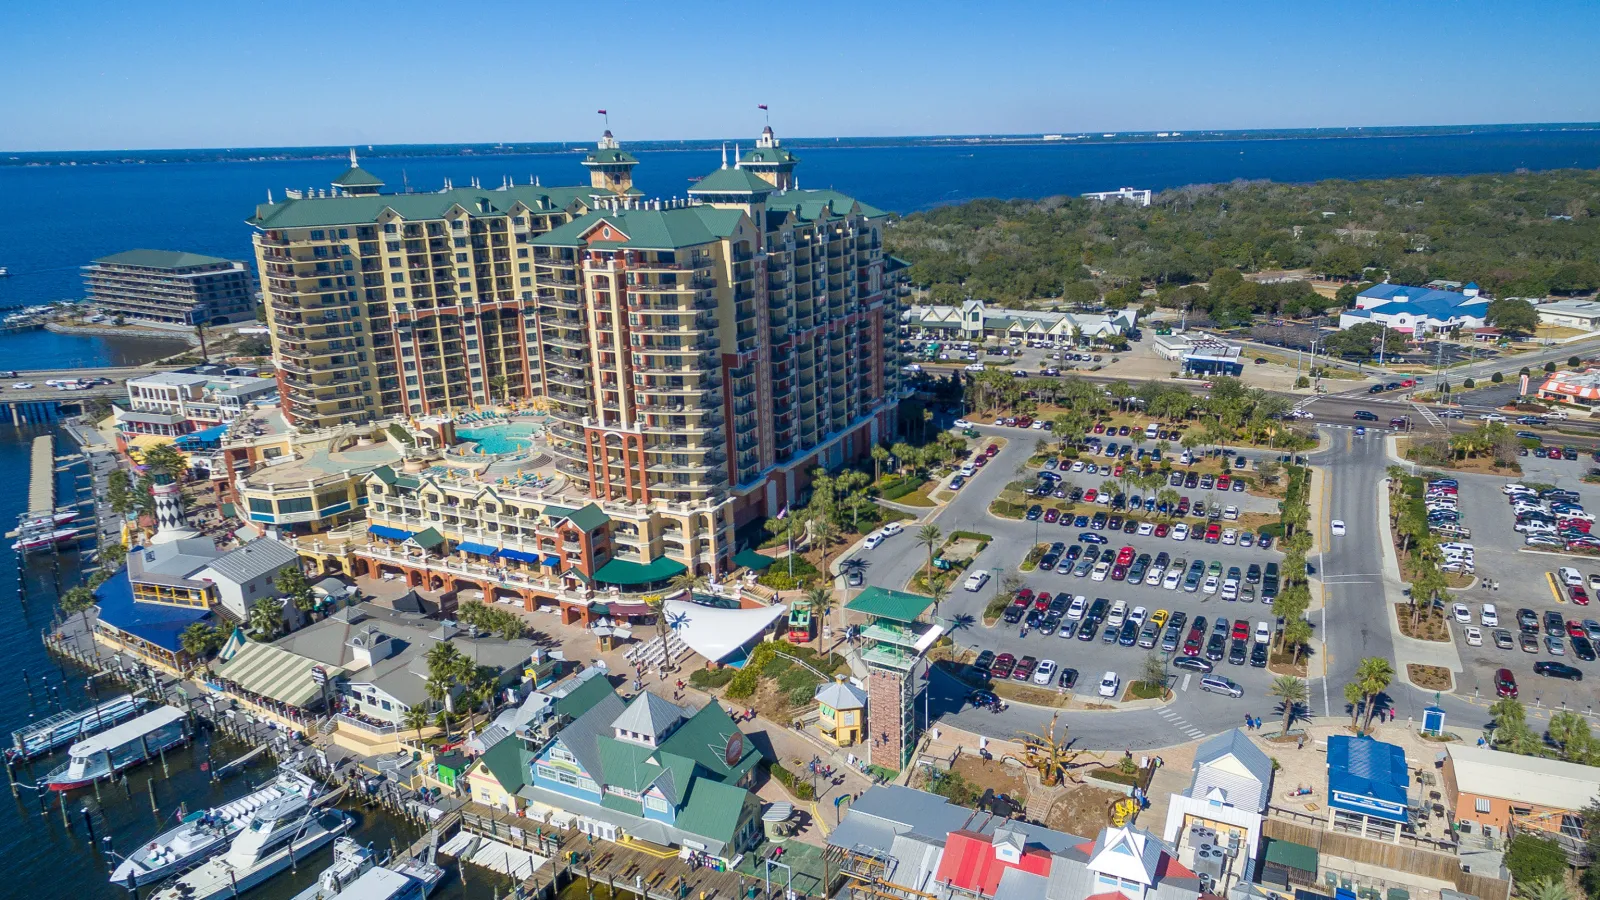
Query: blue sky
pixel 110 75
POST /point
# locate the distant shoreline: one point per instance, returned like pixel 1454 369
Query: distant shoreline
pixel 71 158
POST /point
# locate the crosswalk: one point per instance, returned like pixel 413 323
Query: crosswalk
pixel 1428 416
pixel 1180 723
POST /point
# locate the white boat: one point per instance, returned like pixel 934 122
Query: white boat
pixel 62 729
pixel 45 540
pixel 45 523
pixel 202 834
pixel 356 875
pixel 279 834
pixel 122 747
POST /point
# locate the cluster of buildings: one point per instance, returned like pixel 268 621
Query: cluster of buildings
pixel 193 404
pixel 166 287
pixel 975 320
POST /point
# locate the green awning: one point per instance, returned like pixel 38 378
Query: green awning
pixel 624 573
pixel 428 538
pixel 883 603
pixel 1292 856
pixel 750 559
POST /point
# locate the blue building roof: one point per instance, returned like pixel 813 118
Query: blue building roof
pixel 156 623
pixel 1367 776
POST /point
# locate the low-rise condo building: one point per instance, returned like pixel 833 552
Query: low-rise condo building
pixel 170 288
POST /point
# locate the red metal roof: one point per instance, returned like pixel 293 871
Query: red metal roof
pixel 970 863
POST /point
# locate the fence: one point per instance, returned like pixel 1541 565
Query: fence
pixel 1395 857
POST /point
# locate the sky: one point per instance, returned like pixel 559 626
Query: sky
pixel 82 75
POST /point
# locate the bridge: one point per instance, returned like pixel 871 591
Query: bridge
pixel 42 403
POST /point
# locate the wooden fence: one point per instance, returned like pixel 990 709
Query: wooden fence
pixel 1416 860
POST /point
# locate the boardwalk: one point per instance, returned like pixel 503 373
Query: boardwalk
pixel 42 478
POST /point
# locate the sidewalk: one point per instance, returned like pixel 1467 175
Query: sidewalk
pixel 1444 654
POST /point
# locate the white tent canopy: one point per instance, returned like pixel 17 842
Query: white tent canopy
pixel 715 633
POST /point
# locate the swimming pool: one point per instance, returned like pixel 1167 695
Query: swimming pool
pixel 494 440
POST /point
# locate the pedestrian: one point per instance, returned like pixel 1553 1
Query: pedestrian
pixel 1247 721
pixel 1301 743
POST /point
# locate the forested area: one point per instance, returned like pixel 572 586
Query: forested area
pixel 1525 234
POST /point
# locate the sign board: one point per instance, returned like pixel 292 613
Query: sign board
pixel 319 675
pixel 734 752
pixel 1524 380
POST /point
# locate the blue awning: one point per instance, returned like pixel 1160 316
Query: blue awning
pixel 519 556
pixel 552 561
pixel 384 531
pixel 479 549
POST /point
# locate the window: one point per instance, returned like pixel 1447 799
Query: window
pixel 656 803
pixel 1481 805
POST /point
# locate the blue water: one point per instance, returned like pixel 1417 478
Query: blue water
pixel 498 439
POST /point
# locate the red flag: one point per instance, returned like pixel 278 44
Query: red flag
pixel 761 106
pixel 602 112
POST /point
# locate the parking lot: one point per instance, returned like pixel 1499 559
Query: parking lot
pixel 1062 641
pixel 1523 576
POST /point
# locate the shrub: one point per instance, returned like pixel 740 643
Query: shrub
pixel 745 683
pixel 1497 378
pixel 1302 382
pixel 706 679
pixel 800 788
pixel 900 488
pixel 1530 858
pixel 1573 362
pixel 1469 384
pixel 802 695
pixel 997 606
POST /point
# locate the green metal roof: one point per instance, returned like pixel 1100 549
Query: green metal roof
pixel 713 809
pixel 314 212
pixel 161 259
pixel 648 229
pixel 626 765
pixel 1292 855
pixel 583 697
pixel 428 538
pixel 588 518
pixel 884 603
pixel 358 177
pixel 508 762
pixel 816 205
pixel 609 157
pixel 732 181
pixel 625 573
pixel 774 156
pixel 703 737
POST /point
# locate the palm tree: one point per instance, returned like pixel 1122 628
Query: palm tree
pixel 1373 674
pixel 1292 691
pixel 1354 697
pixel 880 455
pixel 1296 633
pixel 1545 889
pixel 265 618
pixel 199 639
pixel 500 383
pixel 658 608
pixel 76 600
pixel 929 536
pixel 415 717
pixel 821 600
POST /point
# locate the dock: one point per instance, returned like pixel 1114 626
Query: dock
pixel 42 478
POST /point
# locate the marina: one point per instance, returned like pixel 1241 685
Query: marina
pixel 114 750
pixel 278 834
pixel 61 729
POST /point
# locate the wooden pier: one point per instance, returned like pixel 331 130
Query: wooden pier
pixel 42 478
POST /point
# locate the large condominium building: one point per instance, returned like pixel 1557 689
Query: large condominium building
pixel 170 288
pixel 698 357
pixel 410 304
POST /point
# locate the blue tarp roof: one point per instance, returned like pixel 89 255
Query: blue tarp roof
pixel 1367 776
pixel 474 547
pixel 520 556
pixel 384 531
pixel 552 561
pixel 157 623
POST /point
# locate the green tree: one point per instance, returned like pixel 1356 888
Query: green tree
pixel 113 555
pixel 1512 315
pixel 266 618
pixel 1531 858
pixel 76 600
pixel 1570 732
pixel 930 537
pixel 502 384
pixel 200 640
pixel 880 455
pixel 1292 693
pixel 416 718
pixel 1296 634
pixel 165 459
pixel 821 600
pixel 292 584
pixel 1545 889
pixel 1373 674
pixel 119 492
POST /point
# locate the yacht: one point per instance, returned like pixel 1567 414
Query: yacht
pixel 203 833
pixel 350 861
pixel 356 875
pixel 61 729
pixel 279 834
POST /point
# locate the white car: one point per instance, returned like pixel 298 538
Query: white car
pixel 1490 617
pixel 1594 582
pixel 1080 605
pixel 1462 613
pixel 1230 535
pixel 1038 425
pixel 23 385
pixel 1474 636
pixel 1045 672
pixel 1100 571
pixel 1515 488
pixel 1077 465
pixel 1119 612
pixel 1210 586
pixel 1180 532
pixel 1230 590
pixel 1569 576
pixel 1109 683
pixel 1231 513
pixel 1263 632
pixel 1173 578
pixel 1492 417
pixel 1154 578
pixel 872 541
pixel 974 367
pixel 1137 616
pixel 976 581
pixel 963 423
pixel 891 529
pixel 1338 527
pixel 1147 528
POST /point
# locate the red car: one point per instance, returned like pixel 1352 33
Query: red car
pixel 1575 629
pixel 1090 495
pixel 1195 640
pixel 1051 515
pixel 1042 602
pixel 1124 556
pixel 1003 664
pixel 1117 472
pixel 980 461
pixel 1505 683
pixel 1241 630
pixel 1024 668
pixel 1025 595
pixel 1578 595
pixel 1099 428
pixel 1024 421
pixel 1162 529
pixel 991 450
pixel 1213 533
pixel 1223 482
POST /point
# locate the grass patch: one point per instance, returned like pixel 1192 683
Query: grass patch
pixel 1430 626
pixel 1031 694
pixel 1429 678
pixel 1145 690
pixel 996 609
pixel 778 578
pixel 709 679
